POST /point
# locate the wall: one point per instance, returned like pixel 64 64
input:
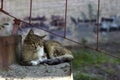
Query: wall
pixel 20 8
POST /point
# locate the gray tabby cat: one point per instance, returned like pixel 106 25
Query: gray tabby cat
pixel 37 50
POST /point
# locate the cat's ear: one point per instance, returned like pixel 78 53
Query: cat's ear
pixel 41 37
pixel 31 31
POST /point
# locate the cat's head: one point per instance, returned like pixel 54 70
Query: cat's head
pixel 32 38
pixel 33 48
pixel 31 32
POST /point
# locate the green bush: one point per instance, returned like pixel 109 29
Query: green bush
pixel 85 58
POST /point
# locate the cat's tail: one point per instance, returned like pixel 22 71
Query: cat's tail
pixel 58 60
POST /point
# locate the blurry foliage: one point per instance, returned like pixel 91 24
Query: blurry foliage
pixel 84 58
pixel 84 41
pixel 83 15
pixel 91 13
pixel 84 76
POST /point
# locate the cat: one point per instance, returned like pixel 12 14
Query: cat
pixel 32 49
pixel 36 50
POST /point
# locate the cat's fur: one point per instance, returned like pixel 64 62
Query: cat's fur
pixel 37 50
pixel 33 49
pixel 56 52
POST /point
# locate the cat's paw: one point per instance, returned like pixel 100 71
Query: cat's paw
pixel 43 58
pixel 34 63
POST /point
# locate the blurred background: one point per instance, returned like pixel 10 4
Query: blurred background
pixel 81 22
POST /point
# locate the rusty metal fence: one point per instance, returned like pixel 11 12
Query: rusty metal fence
pixel 66 5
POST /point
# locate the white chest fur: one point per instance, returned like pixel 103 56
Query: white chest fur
pixel 40 52
pixel 41 56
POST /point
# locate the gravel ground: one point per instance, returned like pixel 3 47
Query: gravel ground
pixel 40 72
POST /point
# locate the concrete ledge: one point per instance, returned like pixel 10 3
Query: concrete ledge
pixel 40 72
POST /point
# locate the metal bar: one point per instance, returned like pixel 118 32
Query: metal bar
pixel 5 12
pixel 2 4
pixel 98 26
pixel 15 26
pixel 65 18
pixel 30 11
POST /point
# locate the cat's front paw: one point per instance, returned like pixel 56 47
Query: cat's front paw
pixel 34 63
pixel 43 58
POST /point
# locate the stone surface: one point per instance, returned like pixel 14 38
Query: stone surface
pixel 40 72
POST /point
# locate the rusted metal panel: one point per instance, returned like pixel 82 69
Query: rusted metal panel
pixel 9 49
